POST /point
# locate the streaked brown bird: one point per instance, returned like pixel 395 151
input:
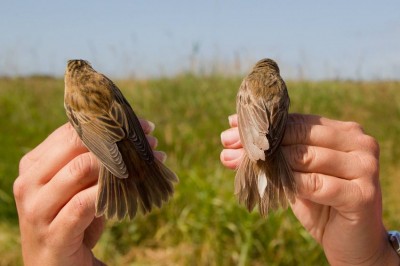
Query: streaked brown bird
pixel 264 177
pixel 130 176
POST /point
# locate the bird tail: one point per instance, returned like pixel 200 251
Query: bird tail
pixel 149 183
pixel 270 183
pixel 246 183
pixel 286 177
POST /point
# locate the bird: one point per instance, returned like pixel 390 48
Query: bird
pixel 130 176
pixel 263 177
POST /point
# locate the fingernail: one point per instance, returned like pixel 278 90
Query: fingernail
pixel 163 156
pixel 152 126
pixel 230 155
pixel 227 138
pixel 223 155
pixel 230 118
pixel 223 137
pixel 155 143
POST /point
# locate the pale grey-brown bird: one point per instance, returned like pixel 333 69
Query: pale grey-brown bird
pixel 264 177
pixel 130 176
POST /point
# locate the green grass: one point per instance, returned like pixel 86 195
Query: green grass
pixel 203 224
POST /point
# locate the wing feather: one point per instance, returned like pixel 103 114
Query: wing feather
pixel 100 134
pixel 253 123
pixel 135 132
pixel 261 123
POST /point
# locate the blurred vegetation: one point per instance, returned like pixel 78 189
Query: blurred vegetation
pixel 203 224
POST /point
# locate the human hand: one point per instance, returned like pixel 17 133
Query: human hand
pixel 55 194
pixel 336 168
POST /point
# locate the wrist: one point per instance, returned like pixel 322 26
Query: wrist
pixel 394 240
pixel 372 248
pixel 390 257
pixel 97 262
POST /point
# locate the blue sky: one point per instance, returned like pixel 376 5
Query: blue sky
pixel 309 39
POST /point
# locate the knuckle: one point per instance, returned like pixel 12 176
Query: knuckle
pixel 369 143
pixel 25 162
pixel 81 166
pixel 72 136
pixel 303 155
pixel 300 133
pixel 27 207
pixel 30 213
pixel 314 183
pixel 353 126
pixel 371 166
pixel 19 188
pixel 81 207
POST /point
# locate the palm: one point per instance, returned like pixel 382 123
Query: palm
pixel 82 249
pixel 314 217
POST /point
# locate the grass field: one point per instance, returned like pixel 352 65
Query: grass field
pixel 203 224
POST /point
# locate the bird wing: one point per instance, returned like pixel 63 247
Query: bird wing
pixel 278 117
pixel 100 134
pixel 261 122
pixel 135 131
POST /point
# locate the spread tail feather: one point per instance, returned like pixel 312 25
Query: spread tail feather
pixel 246 189
pixel 281 185
pixel 149 183
pixel 116 197
pixel 270 184
pixel 286 176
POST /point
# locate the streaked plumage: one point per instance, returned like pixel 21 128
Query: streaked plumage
pixel 263 177
pixel 130 176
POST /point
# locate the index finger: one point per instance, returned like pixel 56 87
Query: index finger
pixel 320 131
pixel 311 119
pixel 65 133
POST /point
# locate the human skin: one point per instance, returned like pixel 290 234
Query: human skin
pixel 55 194
pixel 340 204
pixel 339 201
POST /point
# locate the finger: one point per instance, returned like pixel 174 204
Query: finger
pixel 322 136
pixel 160 155
pixel 54 153
pixel 231 158
pixel 147 126
pixel 77 214
pixel 296 118
pixel 309 213
pixel 230 138
pixel 233 120
pixel 153 141
pixel 307 159
pixel 93 232
pixel 65 134
pixel 310 119
pixel 327 190
pixel 79 174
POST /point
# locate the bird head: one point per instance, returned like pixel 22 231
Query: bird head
pixel 268 64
